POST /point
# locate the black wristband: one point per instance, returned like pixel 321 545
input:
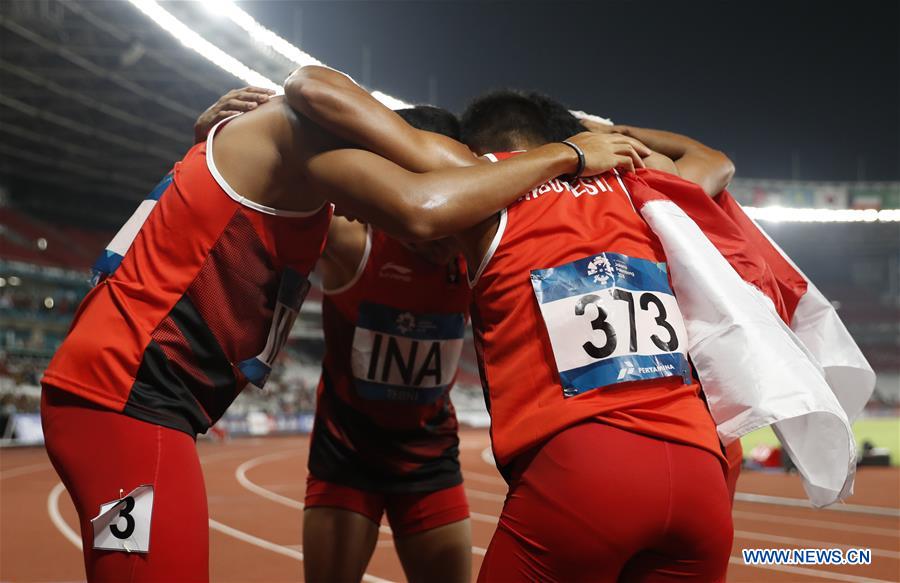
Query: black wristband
pixel 581 162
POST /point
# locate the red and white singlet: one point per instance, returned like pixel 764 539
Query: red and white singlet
pixel 194 298
pixel 574 319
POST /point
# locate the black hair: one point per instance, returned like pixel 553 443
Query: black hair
pixel 431 119
pixel 561 124
pixel 508 120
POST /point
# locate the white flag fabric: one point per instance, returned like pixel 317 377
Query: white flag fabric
pixel 807 379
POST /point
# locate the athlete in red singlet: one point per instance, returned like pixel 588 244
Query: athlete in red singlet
pixel 195 296
pixel 385 438
pixel 615 469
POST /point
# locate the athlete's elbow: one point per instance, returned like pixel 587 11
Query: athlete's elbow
pixel 418 224
pixel 313 89
pixel 727 168
pixel 418 219
pixel 723 174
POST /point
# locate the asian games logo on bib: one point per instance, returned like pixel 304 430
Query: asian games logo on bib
pixel 409 324
pixel 601 269
pixel 406 322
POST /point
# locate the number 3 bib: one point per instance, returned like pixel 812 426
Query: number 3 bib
pixel 611 319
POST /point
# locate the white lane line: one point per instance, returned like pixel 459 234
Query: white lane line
pixel 809 572
pixel 222 455
pixel 800 503
pixel 826 524
pixel 56 517
pixel 487 456
pixel 23 470
pixel 483 517
pixel 241 475
pixel 480 495
pixel 466 445
pixel 262 543
pixel 479 477
pixel 804 542
pixel 294 551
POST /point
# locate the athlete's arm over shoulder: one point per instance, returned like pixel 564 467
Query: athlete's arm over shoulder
pixel 709 168
pixel 344 252
pixel 338 104
pixel 431 205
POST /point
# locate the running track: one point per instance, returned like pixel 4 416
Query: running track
pixel 256 487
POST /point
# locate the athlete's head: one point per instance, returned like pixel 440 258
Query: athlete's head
pixel 506 120
pixel 439 121
pixel 431 119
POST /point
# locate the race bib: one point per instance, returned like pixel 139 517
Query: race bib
pixel 403 356
pixel 124 524
pixel 611 319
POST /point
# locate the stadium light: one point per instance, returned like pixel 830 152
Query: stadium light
pixel 263 35
pixel 283 47
pixel 189 38
pixel 186 36
pixel 390 101
pixel 260 33
pixel 777 214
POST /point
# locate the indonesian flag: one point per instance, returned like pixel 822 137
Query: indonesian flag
pixel 769 349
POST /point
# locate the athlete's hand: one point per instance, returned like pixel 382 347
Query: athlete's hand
pixel 598 127
pixel 232 103
pixel 603 152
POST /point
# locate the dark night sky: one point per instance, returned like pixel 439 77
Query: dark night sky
pixel 809 90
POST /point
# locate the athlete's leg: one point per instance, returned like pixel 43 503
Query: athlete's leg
pixel 102 455
pixel 340 529
pixel 441 555
pixel 698 538
pixel 433 535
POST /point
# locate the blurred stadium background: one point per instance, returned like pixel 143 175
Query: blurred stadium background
pixel 96 101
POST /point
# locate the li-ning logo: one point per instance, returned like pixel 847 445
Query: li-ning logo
pixel 406 322
pixel 601 268
pixel 391 270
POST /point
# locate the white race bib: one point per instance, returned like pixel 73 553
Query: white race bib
pixel 404 356
pixel 124 524
pixel 611 319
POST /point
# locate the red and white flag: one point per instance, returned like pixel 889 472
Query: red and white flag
pixel 768 347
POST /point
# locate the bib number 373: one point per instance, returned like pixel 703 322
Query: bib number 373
pixel 124 524
pixel 611 318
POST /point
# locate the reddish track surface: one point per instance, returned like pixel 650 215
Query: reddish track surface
pixel 256 487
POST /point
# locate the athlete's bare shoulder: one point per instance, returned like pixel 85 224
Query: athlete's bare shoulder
pixel 260 154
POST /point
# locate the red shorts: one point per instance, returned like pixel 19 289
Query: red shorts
pixel 598 503
pixel 407 513
pixel 100 455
